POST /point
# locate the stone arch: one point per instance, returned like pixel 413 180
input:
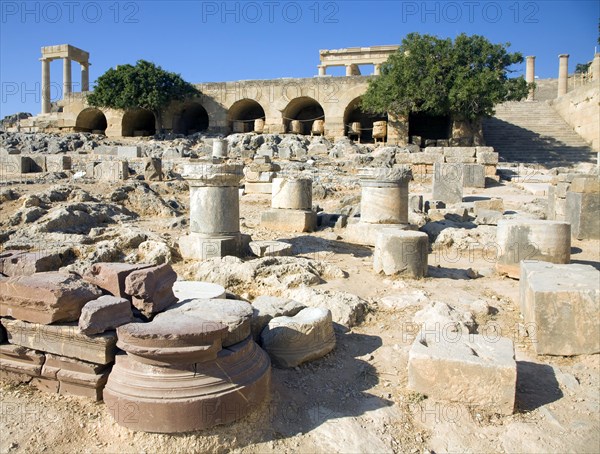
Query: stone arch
pixel 190 118
pixel 354 113
pixel 243 111
pixel 305 109
pixel 138 122
pixel 91 120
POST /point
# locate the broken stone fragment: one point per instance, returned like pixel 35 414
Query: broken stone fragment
pixel 291 341
pixel 110 276
pixel 105 313
pixel 151 289
pixel 45 297
pixel 265 308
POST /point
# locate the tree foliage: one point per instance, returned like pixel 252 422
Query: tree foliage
pixel 435 76
pixel 143 86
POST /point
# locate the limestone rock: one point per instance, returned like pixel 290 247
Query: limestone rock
pixel 471 370
pixel 443 318
pixel 264 308
pixel 45 297
pixel 307 336
pixel 346 309
pixel 20 263
pixel 270 248
pixel 105 313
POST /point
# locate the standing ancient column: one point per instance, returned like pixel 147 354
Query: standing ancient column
pixel 45 85
pixel 530 76
pixel 85 76
pixel 563 74
pixel 67 84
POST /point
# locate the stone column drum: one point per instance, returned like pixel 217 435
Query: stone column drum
pixel 214 212
pixel 384 203
pixel 291 206
pixel 531 239
pixel 563 74
pixel 401 252
pixel 530 76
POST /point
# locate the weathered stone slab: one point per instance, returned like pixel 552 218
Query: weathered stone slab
pixel 189 290
pixel 448 182
pixel 560 305
pixel 189 397
pixel 45 297
pixel 64 340
pixel 21 360
pixel 585 184
pixel 472 370
pixel 487 157
pixel 473 176
pixel 291 341
pixel 234 314
pixel 402 252
pixel 258 188
pixel 265 308
pixel 58 162
pixel 21 263
pixel 531 239
pixel 289 220
pixel 129 152
pixel 495 204
pixel 111 276
pixel 366 233
pixel 151 289
pixel 270 248
pixel 111 170
pixel 105 313
pixel 582 211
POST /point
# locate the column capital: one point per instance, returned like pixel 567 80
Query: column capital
pixel 530 57
pixel 563 55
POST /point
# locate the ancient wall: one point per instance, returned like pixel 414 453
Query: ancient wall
pixel 580 108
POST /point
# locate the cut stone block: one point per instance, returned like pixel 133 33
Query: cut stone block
pixel 202 247
pixel 473 176
pixel 190 397
pixel 265 308
pixel 15 164
pixel 111 170
pixel 151 289
pixel 488 217
pixel 560 305
pixel 460 152
pixel 129 152
pixel 401 252
pixel 270 248
pixel 470 369
pixel 448 182
pixel 234 314
pixel 291 341
pixel 172 339
pixel 289 220
pixel 105 313
pixel 486 157
pixel 365 233
pixel 110 277
pixel 292 194
pixel 585 184
pixel 20 263
pixel 189 290
pixel 531 239
pixel 64 340
pixel 58 162
pixel 582 211
pixel 489 205
pixel 258 188
pixel 45 297
pixel 21 360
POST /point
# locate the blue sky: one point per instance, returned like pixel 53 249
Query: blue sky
pixel 210 41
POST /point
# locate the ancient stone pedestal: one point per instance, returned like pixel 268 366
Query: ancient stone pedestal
pixel 177 378
pixel 469 369
pixel 531 239
pixel 401 252
pixel 220 147
pixel 384 204
pixel 291 206
pixel 560 306
pixel 259 175
pixel 214 212
pixel 188 290
pixel 582 207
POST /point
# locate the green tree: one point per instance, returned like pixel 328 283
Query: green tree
pixel 582 68
pixel 143 86
pixel 465 78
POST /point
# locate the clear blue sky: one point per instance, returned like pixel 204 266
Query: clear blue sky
pixel 209 41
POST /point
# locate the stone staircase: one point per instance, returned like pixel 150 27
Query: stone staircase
pixel 533 132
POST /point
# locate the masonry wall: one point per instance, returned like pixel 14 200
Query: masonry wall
pixel 580 108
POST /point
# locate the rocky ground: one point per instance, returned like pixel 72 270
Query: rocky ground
pixel 353 400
